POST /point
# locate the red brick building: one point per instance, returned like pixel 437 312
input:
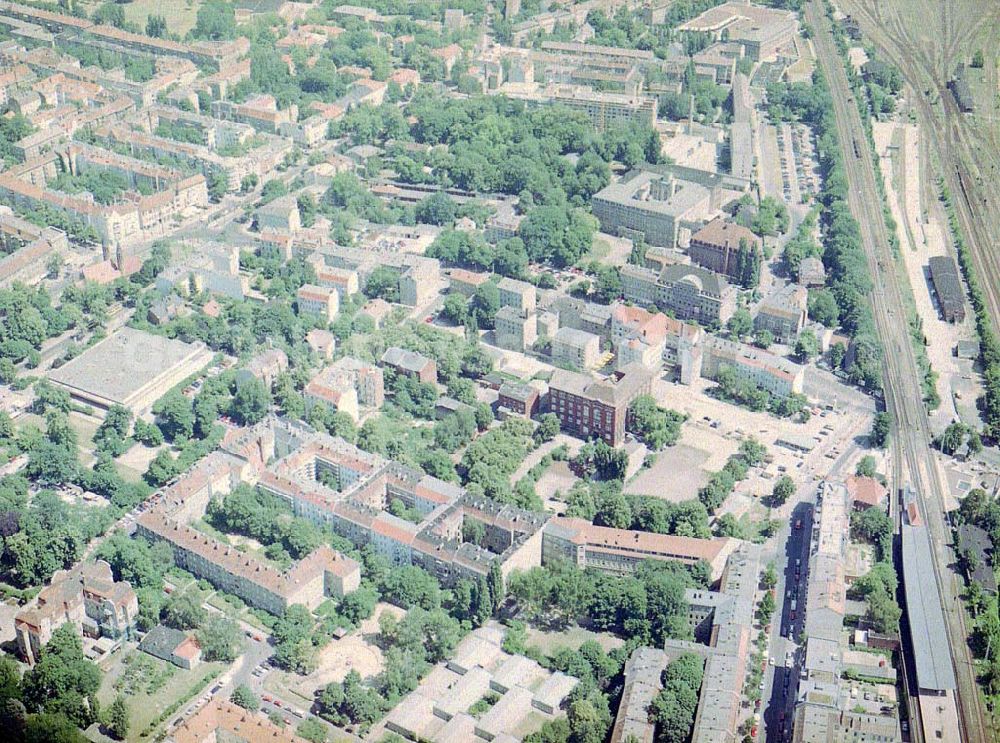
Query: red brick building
pixel 521 399
pixel 593 408
pixel 716 245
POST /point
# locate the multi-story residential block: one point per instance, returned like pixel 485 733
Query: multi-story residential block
pixel 280 215
pixel 88 597
pixel 688 292
pixel 517 294
pixel 336 391
pixel 716 246
pixel 514 330
pixel 221 720
pixel 322 342
pixel 410 364
pixel 681 341
pixel 323 572
pixel 589 317
pixel 265 366
pixel 378 310
pixel 520 399
pixel 650 205
pixel 622 551
pixel 811 272
pixel 773 373
pixel 638 336
pixel 367 380
pixel 338 486
pixel 503 225
pixel 119 224
pixel 26 248
pixel 783 313
pixel 576 348
pixel 466 282
pixel 322 301
pixel 419 277
pixel 592 408
pixel 727 618
pixel 345 282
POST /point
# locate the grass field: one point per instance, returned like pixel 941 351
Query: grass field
pixel 145 705
pixel 179 14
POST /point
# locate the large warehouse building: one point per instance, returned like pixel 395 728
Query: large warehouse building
pixel 131 368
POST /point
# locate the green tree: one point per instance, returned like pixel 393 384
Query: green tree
pixel 162 469
pixel 454 308
pixel 251 401
pixel 783 489
pixel 63 680
pixel 548 427
pixel 183 611
pixel 174 416
pixel 881 426
pixel 485 304
pixel 740 324
pixel 110 13
pixel 156 26
pixel 866 466
pixel 244 697
pixel 312 730
pixel 807 346
pixel 220 639
pixel 950 440
pixel 216 21
pixel 116 719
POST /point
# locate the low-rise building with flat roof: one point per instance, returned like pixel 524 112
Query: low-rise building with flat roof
pixel 132 368
pixel 520 399
pixel 948 288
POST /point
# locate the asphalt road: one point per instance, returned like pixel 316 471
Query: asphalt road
pixel 913 459
pixel 791 555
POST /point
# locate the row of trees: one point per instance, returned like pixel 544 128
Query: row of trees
pixel 750 454
pixel 648 605
pixel 848 277
pixel 603 503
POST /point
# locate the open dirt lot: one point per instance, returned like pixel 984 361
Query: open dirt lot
pixel 356 652
pixel 714 431
pixel 675 476
pixel 921 237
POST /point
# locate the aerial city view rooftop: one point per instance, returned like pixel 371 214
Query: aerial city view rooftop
pixel 467 371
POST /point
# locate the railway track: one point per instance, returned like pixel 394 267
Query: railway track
pixel 914 463
pixel 969 169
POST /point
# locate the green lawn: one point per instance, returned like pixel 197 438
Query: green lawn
pixel 179 14
pixel 145 706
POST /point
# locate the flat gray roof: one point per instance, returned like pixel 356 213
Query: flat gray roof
pixel 123 366
pixel 923 610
